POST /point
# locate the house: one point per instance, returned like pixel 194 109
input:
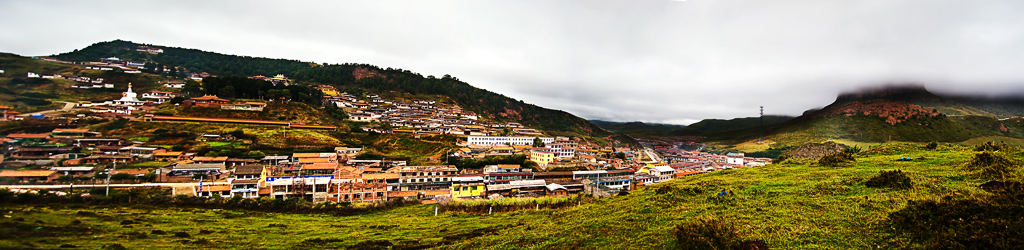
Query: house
pixel 206 101
pixel 223 191
pixel 734 159
pixel 542 156
pixel 555 189
pixel 356 190
pixel 468 187
pixel 207 159
pixel 519 188
pixel 275 159
pixel 132 172
pixel 424 177
pixel 506 140
pixel 245 188
pixel 75 171
pixel 497 174
pixel 39 152
pixel 250 172
pixel 174 85
pixel 29 138
pixel 319 168
pixel 169 156
pixel 208 169
pixel 30 175
pixel 159 96
pixel 72 133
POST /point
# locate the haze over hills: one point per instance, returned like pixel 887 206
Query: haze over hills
pixel 346 77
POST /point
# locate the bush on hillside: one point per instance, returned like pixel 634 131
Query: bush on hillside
pixel 852 150
pixel 983 222
pixel 890 179
pixel 836 159
pixel 932 145
pixel 991 146
pixel 712 234
pixel 992 165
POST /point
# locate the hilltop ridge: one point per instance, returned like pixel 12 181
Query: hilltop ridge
pixel 346 77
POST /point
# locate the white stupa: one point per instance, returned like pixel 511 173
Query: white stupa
pixel 129 98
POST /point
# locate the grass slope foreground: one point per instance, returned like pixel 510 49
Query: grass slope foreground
pixel 944 197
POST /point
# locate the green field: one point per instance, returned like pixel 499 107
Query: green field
pixel 787 206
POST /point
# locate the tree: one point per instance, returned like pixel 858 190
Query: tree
pixel 227 92
pixel 279 94
pixel 177 100
pixel 620 155
pixel 538 143
pixel 192 88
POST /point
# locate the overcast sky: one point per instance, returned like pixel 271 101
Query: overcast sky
pixel 624 60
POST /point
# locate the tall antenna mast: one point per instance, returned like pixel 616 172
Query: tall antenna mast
pixel 760 139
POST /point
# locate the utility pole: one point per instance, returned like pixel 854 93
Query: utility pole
pixel 111 172
pixel 760 139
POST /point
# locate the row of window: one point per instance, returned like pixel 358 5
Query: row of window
pixel 424 180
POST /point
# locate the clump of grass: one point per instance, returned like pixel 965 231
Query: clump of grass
pixel 712 234
pixel 992 165
pixel 932 145
pixel 182 235
pixel 837 159
pixel 890 179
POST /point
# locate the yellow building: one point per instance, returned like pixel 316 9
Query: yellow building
pixel 542 157
pixel 470 186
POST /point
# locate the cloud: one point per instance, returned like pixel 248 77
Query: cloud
pixel 656 61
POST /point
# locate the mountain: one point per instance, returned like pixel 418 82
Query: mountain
pixel 737 125
pixel 346 77
pixel 638 128
pixel 890 113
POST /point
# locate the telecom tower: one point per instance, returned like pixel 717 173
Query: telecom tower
pixel 760 139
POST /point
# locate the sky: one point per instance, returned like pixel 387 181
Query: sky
pixel 623 60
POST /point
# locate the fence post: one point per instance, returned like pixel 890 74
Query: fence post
pixel 489 210
pixel 537 208
pixel 435 210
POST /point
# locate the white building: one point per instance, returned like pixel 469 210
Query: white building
pixel 506 140
pixel 734 159
pixel 33 75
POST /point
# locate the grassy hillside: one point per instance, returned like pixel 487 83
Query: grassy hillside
pixel 349 76
pixel 794 205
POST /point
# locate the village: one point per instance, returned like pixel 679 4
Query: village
pixel 557 165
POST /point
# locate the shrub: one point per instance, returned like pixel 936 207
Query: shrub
pixel 852 150
pixel 890 179
pixel 992 165
pixel 707 234
pixel 932 145
pixel 182 235
pixel 836 159
pixel 990 146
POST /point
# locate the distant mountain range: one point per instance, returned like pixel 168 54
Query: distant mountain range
pixel 346 77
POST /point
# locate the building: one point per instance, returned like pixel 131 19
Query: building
pixel 245 188
pixel 506 140
pixel 498 174
pixel 468 187
pixel 158 96
pixel 734 159
pixel 128 98
pixel 424 177
pixel 30 175
pixel 245 106
pixel 542 156
pixel 207 101
pixel 519 189
pixel 249 172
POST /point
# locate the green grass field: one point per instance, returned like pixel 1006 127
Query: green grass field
pixel 788 206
